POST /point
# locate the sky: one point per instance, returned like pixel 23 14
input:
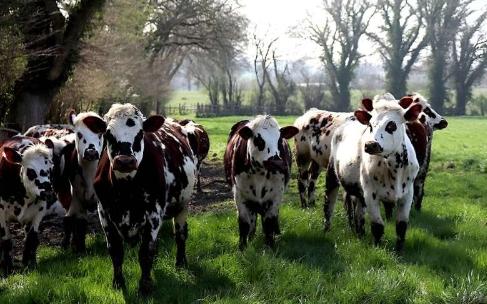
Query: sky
pixel 275 18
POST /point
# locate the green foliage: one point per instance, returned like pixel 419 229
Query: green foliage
pixel 444 259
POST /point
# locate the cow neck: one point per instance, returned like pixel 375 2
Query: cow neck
pixel 87 171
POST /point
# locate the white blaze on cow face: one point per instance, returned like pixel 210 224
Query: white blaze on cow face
pixel 385 121
pixel 89 129
pixel 263 134
pixel 125 137
pixel 36 169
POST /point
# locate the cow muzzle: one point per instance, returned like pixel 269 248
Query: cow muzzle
pixel 373 147
pixel 124 163
pixel 441 125
pixel 274 164
pixel 91 155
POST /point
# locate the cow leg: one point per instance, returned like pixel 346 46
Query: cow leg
pixel 77 213
pixel 79 234
pixel 388 208
pixel 32 239
pixel 270 224
pixel 314 172
pixel 253 224
pixel 147 252
pixel 418 193
pixel 115 249
pixel 331 193
pixel 349 208
pixel 6 246
pixel 244 224
pixel 30 246
pixel 181 235
pixel 359 216
pixel 303 166
pixel 402 219
pixel 68 223
pixel 377 224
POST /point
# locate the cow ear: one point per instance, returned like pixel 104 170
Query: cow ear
pixel 413 112
pixel 367 104
pixel 48 142
pixel 405 102
pixel 288 132
pixel 245 132
pixel 11 155
pixel 71 117
pixel 153 123
pixel 95 124
pixel 362 116
pixel 184 122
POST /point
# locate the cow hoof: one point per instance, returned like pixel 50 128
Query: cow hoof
pixel 242 246
pixel 181 262
pixel 145 287
pixel 118 283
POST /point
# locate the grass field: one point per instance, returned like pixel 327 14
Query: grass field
pixel 444 261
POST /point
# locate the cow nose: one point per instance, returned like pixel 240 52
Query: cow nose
pixel 91 154
pixel 124 163
pixel 442 124
pixel 373 147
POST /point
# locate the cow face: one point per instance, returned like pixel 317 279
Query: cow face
pixel 385 122
pixel 36 169
pixel 125 137
pixel 89 129
pixel 429 116
pixel 263 137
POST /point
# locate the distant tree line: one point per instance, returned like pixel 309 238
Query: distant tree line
pixel 450 29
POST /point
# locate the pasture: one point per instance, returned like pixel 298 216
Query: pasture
pixel 444 259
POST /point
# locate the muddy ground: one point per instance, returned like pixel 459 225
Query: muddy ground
pixel 214 191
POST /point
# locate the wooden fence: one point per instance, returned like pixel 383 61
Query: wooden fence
pixel 220 110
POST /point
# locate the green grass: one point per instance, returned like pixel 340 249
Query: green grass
pixel 444 261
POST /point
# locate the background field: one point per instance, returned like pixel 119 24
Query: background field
pixel 444 261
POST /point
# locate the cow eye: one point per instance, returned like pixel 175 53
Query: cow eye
pixel 31 174
pixel 391 127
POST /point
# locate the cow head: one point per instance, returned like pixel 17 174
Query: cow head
pixel 428 116
pixel 385 121
pixel 263 137
pixel 36 168
pixel 125 137
pixel 89 129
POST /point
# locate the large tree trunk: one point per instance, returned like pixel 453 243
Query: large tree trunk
pixel 396 82
pixel 461 99
pixel 30 108
pixel 437 81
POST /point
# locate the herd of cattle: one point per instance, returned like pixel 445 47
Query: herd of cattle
pixel 139 171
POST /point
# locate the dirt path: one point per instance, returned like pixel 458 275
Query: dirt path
pixel 215 190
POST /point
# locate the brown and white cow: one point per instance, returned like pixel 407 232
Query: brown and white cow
pixel 258 165
pixel 374 160
pixel 200 144
pixel 146 174
pixel 49 130
pixel 78 147
pixel 431 122
pixel 26 193
pixel 313 148
pixel 80 165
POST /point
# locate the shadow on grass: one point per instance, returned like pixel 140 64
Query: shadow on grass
pixel 442 227
pixel 313 249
